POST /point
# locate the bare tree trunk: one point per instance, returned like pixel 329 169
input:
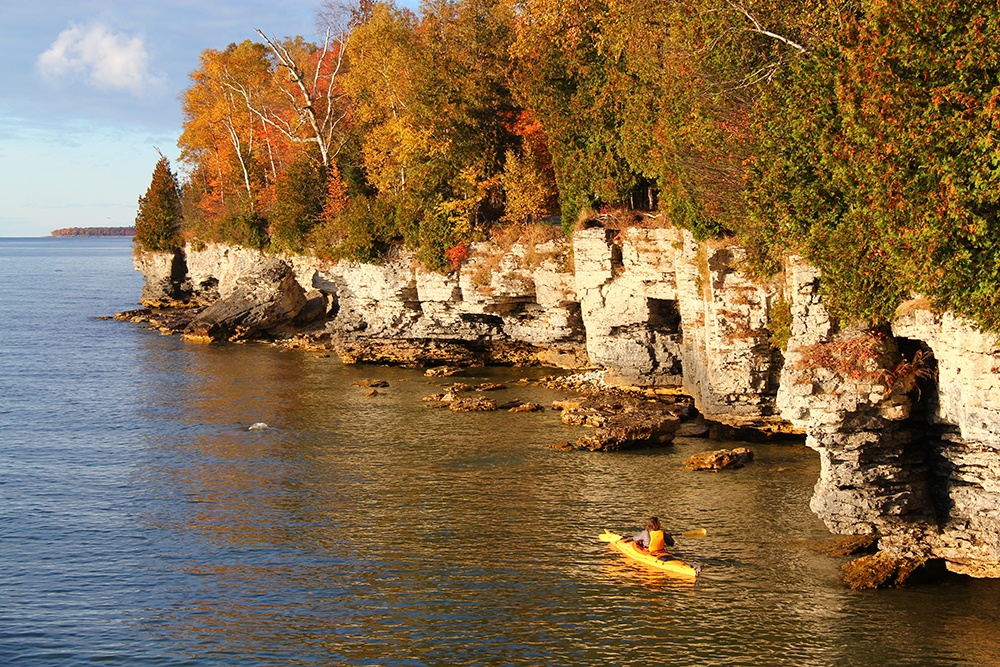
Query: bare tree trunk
pixel 315 102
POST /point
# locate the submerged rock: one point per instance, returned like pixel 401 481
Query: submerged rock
pixel 411 353
pixel 491 386
pixel 850 545
pixel 370 383
pixel 442 371
pixel 473 404
pixel 883 570
pixel 621 422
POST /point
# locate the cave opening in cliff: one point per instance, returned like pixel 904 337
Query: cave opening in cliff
pixel 179 286
pixel 929 435
pixel 664 316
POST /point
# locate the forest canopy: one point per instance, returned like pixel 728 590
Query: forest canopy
pixel 857 133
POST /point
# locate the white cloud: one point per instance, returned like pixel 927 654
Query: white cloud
pixel 108 60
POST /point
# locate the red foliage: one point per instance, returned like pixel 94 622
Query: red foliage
pixel 456 255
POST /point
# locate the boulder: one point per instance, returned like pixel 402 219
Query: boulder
pixel 694 429
pixel 261 301
pixel 631 431
pixel 720 459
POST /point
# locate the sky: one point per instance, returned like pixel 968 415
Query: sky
pixel 91 89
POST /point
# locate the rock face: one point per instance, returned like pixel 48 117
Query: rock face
pixel 906 421
pixel 262 300
pixel 907 424
pixel 165 279
pixel 661 309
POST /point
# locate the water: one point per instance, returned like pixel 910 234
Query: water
pixel 142 523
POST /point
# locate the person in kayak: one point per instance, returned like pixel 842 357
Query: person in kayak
pixel 654 539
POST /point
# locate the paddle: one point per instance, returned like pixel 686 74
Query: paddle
pixel 695 532
pixel 608 536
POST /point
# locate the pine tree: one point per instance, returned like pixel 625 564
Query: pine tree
pixel 157 224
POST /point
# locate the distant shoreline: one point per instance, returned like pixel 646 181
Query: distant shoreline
pixel 94 231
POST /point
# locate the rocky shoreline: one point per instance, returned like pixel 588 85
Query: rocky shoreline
pixel 906 421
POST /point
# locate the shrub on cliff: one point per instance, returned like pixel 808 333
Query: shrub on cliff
pixel 362 231
pixel 157 223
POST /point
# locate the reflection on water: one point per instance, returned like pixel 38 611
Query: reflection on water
pixel 372 530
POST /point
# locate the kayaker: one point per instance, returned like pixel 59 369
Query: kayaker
pixel 653 539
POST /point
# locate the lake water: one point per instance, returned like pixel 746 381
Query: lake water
pixel 143 523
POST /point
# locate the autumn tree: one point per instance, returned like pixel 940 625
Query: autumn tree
pixel 158 220
pixel 528 176
pixel 309 77
pixel 433 107
pixel 886 179
pixel 230 155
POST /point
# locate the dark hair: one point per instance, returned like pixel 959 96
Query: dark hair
pixel 653 523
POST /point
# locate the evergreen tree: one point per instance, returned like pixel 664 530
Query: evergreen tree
pixel 157 224
pixel 299 195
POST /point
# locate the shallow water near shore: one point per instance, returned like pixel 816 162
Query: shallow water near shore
pixel 144 523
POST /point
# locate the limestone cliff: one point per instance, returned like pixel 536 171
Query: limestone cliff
pixel 906 422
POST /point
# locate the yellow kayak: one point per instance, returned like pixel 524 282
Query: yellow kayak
pixel 666 563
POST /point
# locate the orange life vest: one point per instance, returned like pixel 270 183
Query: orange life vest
pixel 656 541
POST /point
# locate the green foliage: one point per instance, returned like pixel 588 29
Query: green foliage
pixel 299 197
pixel 881 166
pixel 363 231
pixel 436 235
pixel 242 228
pixel 779 322
pixel 573 88
pixel 158 220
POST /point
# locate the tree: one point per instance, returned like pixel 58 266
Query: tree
pixel 299 198
pixel 309 77
pixel 881 163
pixel 158 220
pixel 221 134
pixel 563 75
pixel 433 105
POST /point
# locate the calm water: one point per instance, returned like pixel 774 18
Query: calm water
pixel 142 523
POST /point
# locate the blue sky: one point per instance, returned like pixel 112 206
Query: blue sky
pixel 90 87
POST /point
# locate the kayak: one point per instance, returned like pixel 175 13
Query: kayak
pixel 666 562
